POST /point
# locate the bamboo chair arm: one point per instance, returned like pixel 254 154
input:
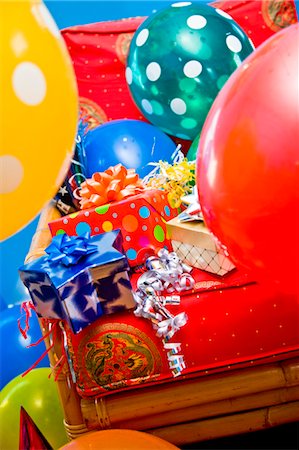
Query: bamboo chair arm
pixel 69 397
pixel 42 236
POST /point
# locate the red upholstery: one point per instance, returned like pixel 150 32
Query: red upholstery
pixel 233 323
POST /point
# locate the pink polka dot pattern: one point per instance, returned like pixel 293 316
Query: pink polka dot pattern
pixel 144 241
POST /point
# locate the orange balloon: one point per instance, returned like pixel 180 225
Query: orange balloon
pixel 118 440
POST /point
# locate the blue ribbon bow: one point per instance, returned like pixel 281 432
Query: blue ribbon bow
pixel 68 250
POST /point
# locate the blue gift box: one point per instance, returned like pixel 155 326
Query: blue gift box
pixel 80 279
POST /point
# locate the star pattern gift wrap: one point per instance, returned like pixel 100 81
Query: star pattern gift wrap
pixel 194 245
pixel 80 279
pixel 141 218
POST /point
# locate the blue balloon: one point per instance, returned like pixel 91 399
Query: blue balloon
pixel 12 290
pixel 15 357
pixel 130 142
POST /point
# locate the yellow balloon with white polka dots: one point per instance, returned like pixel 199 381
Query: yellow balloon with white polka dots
pixel 38 112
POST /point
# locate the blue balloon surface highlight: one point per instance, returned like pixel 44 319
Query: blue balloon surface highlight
pixel 15 357
pixel 132 143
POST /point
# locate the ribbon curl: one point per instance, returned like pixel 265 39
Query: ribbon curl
pixel 114 184
pixel 176 361
pixel 68 250
pixel 168 327
pixel 193 211
pixel 175 179
pixel 166 273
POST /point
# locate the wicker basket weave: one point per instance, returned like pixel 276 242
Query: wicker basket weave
pixel 183 411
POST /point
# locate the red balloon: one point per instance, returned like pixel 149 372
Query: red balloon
pixel 248 162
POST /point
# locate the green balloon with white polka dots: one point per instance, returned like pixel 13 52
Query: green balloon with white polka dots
pixel 179 59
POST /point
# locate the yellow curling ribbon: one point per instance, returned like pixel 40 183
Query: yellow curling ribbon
pixel 176 179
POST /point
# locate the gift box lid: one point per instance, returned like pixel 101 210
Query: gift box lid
pixel 106 257
pixel 194 233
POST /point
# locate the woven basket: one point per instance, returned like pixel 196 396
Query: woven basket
pixel 185 411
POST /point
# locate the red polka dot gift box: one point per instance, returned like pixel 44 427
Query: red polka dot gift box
pixel 141 219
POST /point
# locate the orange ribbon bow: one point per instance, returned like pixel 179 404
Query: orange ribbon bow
pixel 115 184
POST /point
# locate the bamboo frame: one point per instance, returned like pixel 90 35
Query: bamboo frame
pixel 69 397
pixel 184 411
pixel 229 425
